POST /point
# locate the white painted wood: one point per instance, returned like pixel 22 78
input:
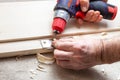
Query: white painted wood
pixel 22 48
pixel 25 19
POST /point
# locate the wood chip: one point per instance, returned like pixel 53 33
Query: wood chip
pixel 44 59
pixel 103 33
pixel 33 72
pixel 40 70
pixel 17 58
pixel 40 67
pixel 31 77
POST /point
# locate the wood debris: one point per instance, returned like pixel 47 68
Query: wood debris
pixel 40 67
pixel 103 33
pixel 40 70
pixel 44 59
pixel 33 72
pixel 17 58
pixel 31 77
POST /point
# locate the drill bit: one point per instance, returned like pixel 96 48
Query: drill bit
pixel 54 36
pixel 55 32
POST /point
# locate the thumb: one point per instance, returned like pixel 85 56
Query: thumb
pixel 84 4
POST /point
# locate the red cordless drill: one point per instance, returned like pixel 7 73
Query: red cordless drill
pixel 65 9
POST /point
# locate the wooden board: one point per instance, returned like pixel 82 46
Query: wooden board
pixel 33 19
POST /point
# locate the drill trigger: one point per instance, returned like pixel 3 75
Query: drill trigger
pixel 80 14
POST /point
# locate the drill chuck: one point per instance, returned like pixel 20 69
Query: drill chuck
pixel 60 20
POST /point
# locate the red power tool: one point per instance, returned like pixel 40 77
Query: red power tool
pixel 65 9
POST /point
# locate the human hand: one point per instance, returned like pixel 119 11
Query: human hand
pixel 77 53
pixel 91 15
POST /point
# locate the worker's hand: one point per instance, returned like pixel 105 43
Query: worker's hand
pixel 77 54
pixel 91 15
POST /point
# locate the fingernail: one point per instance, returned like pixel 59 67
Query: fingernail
pixel 53 44
pixel 56 45
pixel 84 9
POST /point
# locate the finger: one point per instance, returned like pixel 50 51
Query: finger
pixel 95 16
pixel 89 14
pixel 99 18
pixel 80 21
pixel 66 39
pixel 62 55
pixel 84 4
pixel 66 46
pixel 70 39
pixel 64 63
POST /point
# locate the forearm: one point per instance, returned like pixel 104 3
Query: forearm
pixel 111 50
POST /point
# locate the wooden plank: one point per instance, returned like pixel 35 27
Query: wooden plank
pixel 22 48
pixel 33 46
pixel 25 19
pixel 60 35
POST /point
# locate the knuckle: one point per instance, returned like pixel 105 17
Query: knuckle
pixel 97 12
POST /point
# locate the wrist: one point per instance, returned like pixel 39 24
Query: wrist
pixel 99 50
pixel 110 51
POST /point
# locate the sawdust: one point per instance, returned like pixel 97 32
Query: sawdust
pixel 40 68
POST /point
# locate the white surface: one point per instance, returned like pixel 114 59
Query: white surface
pixel 24 19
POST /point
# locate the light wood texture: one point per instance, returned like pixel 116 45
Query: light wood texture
pixel 28 47
pixel 22 48
pixel 60 35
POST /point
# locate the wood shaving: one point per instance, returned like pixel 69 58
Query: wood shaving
pixel 17 58
pixel 44 59
pixel 40 67
pixel 103 33
pixel 33 72
pixel 31 77
pixel 40 70
pixel 76 37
